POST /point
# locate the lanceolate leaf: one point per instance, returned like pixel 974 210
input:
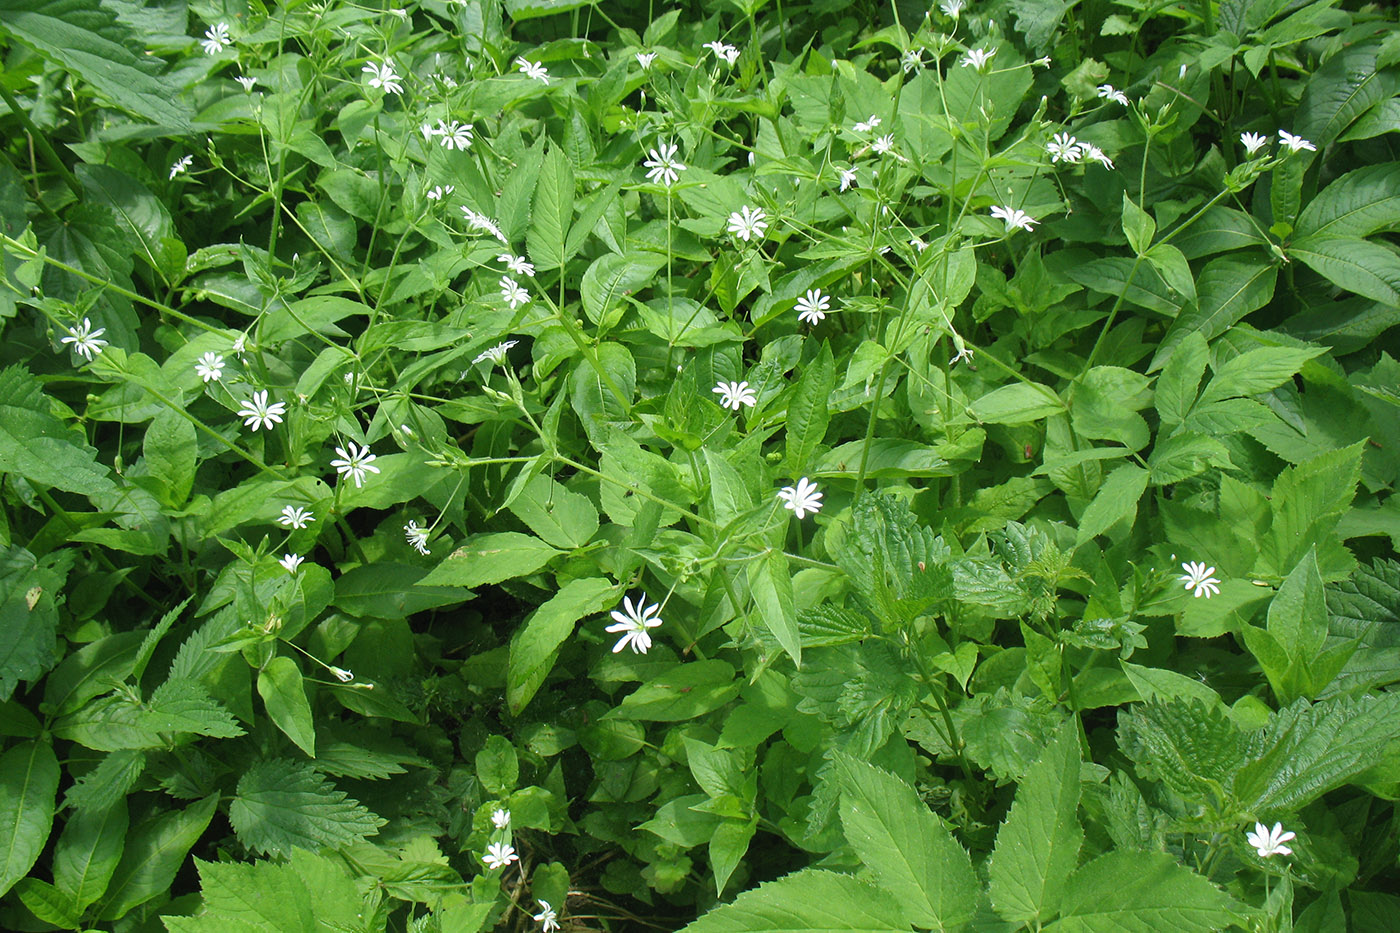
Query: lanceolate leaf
pixel 1354 264
pixel 88 852
pixel 28 788
pixel 811 900
pixel 284 696
pixel 534 648
pixel 808 414
pixel 1359 203
pixel 553 211
pixel 154 852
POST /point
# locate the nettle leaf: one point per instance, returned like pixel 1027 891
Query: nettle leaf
pixel 809 900
pixel 1367 604
pixel 308 893
pixel 1038 846
pixel 1143 892
pixel 282 805
pixel 553 211
pixel 186 706
pixel 39 447
pixel 907 847
pixel 1192 747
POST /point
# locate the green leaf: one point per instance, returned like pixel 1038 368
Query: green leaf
pixel 809 413
pixel 1114 275
pixel 88 852
pixel 907 847
pixel 280 686
pixel 497 766
pixel 1354 264
pixel 770 582
pixel 37 446
pixel 532 9
pixel 185 706
pixel 1184 455
pixel 1038 846
pixel 1143 892
pixel 1115 502
pixel 683 692
pixel 105 785
pixel 29 615
pixel 383 590
pixel 140 213
pixel 28 790
pixel 154 852
pixel 553 211
pixel 1298 612
pixel 1307 500
pixel 308 894
pixel 611 277
pixel 491 558
pixel 1219 230
pixel 1358 204
pixel 282 805
pixel 1345 87
pixel 1191 746
pixel 728 845
pixel 1256 371
pixel 49 904
pixel 1018 403
pixel 1177 384
pixel 1227 290
pixel 1138 226
pixel 87 39
pixel 809 901
pixel 536 644
pixel 729 494
pixel 561 517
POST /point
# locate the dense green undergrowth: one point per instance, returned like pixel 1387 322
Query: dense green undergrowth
pixel 744 466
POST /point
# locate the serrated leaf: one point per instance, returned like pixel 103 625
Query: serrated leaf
pixel 282 805
pixel 1038 846
pixel 553 211
pixel 28 791
pixel 1143 892
pixel 186 706
pixel 1192 747
pixel 37 446
pixel 1184 455
pixel 108 783
pixel 909 850
pixel 1307 501
pixel 1115 502
pixel 1256 371
pixel 809 901
pixel 1227 289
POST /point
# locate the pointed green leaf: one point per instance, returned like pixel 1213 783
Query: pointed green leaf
pixel 1357 265
pixel 1359 203
pixel 1115 502
pixel 28 788
pixel 560 516
pixel 280 686
pixel 536 644
pixel 282 805
pixel 808 901
pixel 1143 892
pixel 809 412
pixel 1227 290
pixel 154 852
pixel 37 446
pixel 88 852
pixel 770 582
pixel 553 211
pixel 491 558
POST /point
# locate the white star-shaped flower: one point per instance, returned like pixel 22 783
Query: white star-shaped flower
pixel 1095 154
pixel 180 166
pixel 1110 92
pixel 1253 142
pixel 1269 842
pixel 533 70
pixel 812 307
pixel 385 77
pixel 291 562
pixel 496 354
pixel 215 39
pixel 977 59
pixel 1198 578
pixel 663 167
pixel 748 223
pixel 1295 143
pixel 483 223
pixel 1014 217
pixel 865 126
pixel 951 7
pixel 512 293
pixel 499 855
pixel 734 394
pixel 633 623
pixel 725 51
pixel 294 516
pixel 417 537
pixel 438 192
pixel 884 144
pixel 848 178
pixel 1064 148
pixel 454 135
pixel 645 59
pixel 912 60
pixel 247 82
pixel 210 367
pixel 517 264
pixel 500 818
pixel 355 462
pixel 85 340
pixel 802 498
pixel 259 414
pixel 548 919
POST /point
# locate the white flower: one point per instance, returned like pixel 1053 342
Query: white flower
pixel 454 135
pixel 512 293
pixel 215 38
pixel 342 675
pixel 1198 577
pixel 547 917
pixel 401 14
pixel 951 7
pixel 912 60
pixel 500 818
pixel 294 516
pixel 1095 154
pixel 181 166
pixel 240 344
pixel 496 354
pixel 417 537
pixel 517 264
pixel 384 77
pixel 427 131
pixel 663 167
pixel 884 144
pixel 977 59
pixel 734 394
pixel 84 339
pixel 748 224
pixel 1268 842
pixel 1014 217
pixel 483 223
pixel 247 82
pixel 802 498
pixel 499 855
pixel 258 413
pixel 1113 94
pixel 724 50
pixel 1064 148
pixel 848 178
pixel 291 562
pixel 812 307
pixel 355 463
pixel 645 59
pixel 1253 142
pixel 210 367
pixel 1295 143
pixel 634 623
pixel 918 244
pixel 533 70
pixel 438 192
pixel 865 126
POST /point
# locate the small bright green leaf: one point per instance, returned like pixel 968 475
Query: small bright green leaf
pixel 684 692
pixel 1018 403
pixel 1116 502
pixel 808 901
pixel 535 646
pixel 280 686
pixel 1138 225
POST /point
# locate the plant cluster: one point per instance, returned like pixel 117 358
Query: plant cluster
pixel 543 465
